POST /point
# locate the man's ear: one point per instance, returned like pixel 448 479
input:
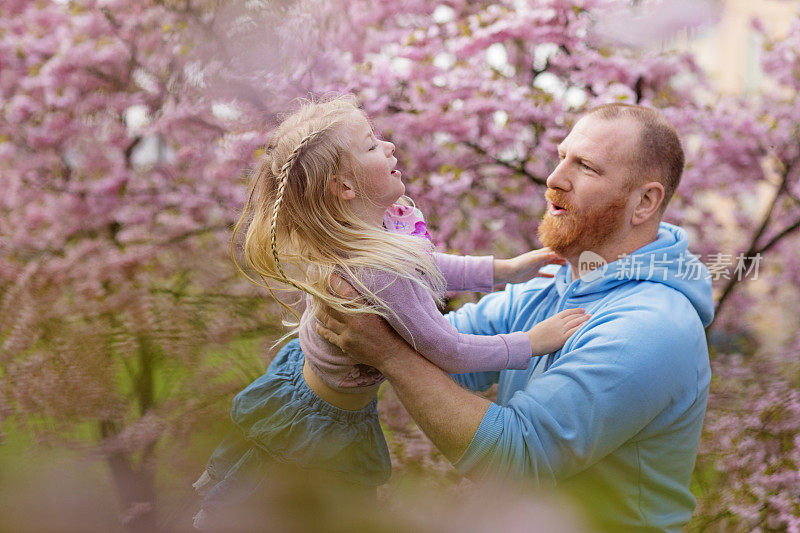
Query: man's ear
pixel 651 196
pixel 342 187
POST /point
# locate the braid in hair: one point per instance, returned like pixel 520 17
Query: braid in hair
pixel 283 178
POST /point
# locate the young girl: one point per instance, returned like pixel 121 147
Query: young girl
pixel 324 202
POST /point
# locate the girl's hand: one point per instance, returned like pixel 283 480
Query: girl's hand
pixel 525 266
pixel 550 335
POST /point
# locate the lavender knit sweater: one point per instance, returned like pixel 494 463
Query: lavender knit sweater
pixel 420 323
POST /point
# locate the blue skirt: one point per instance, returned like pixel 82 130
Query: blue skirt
pixel 279 418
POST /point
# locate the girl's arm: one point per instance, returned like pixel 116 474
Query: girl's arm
pixel 466 272
pixel 482 273
pixel 525 266
pixel 414 315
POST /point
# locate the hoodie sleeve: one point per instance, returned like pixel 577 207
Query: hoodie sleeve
pixel 466 272
pixel 618 375
pixel 414 315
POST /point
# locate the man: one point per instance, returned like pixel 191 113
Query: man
pixel 614 417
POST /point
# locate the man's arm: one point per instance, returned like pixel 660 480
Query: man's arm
pixel 626 370
pixel 448 414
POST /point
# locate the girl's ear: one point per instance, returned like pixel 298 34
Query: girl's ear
pixel 342 187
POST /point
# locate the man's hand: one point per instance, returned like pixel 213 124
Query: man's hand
pixel 448 414
pixel 367 338
pixel 526 266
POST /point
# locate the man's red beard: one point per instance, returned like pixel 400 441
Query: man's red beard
pixel 580 230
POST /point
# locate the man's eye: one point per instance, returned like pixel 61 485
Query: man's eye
pixel 587 167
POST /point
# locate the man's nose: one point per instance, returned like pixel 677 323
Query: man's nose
pixel 558 179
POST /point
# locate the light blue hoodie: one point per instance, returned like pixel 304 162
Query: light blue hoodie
pixel 614 417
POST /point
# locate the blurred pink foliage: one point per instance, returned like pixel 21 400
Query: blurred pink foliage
pixel 126 129
pixel 751 448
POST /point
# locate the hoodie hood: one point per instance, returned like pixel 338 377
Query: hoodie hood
pixel 666 260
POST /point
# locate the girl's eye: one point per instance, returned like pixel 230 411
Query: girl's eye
pixel 373 147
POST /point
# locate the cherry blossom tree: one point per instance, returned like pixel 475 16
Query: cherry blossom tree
pixel 127 129
pixel 121 180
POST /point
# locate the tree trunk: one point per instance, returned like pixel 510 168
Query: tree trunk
pixel 135 487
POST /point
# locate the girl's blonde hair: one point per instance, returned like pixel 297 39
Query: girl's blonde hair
pixel 300 233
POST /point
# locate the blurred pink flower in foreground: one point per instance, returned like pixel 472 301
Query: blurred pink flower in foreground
pixel 651 23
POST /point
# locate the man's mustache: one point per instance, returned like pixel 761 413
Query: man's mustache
pixel 558 198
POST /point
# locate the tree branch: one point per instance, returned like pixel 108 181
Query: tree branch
pixel 517 167
pixel 773 241
pixel 754 249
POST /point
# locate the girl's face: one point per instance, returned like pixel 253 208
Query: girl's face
pixel 376 182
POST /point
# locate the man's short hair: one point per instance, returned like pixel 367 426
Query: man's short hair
pixel 659 152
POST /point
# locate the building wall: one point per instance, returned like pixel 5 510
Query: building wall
pixel 730 51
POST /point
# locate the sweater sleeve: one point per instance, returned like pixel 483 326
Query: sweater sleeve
pixel 466 272
pixel 414 315
pixel 618 376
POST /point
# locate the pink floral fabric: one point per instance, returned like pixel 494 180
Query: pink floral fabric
pixel 361 376
pixel 407 220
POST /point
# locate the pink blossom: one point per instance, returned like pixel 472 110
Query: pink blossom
pixel 114 243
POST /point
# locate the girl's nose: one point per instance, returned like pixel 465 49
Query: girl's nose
pixel 390 146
